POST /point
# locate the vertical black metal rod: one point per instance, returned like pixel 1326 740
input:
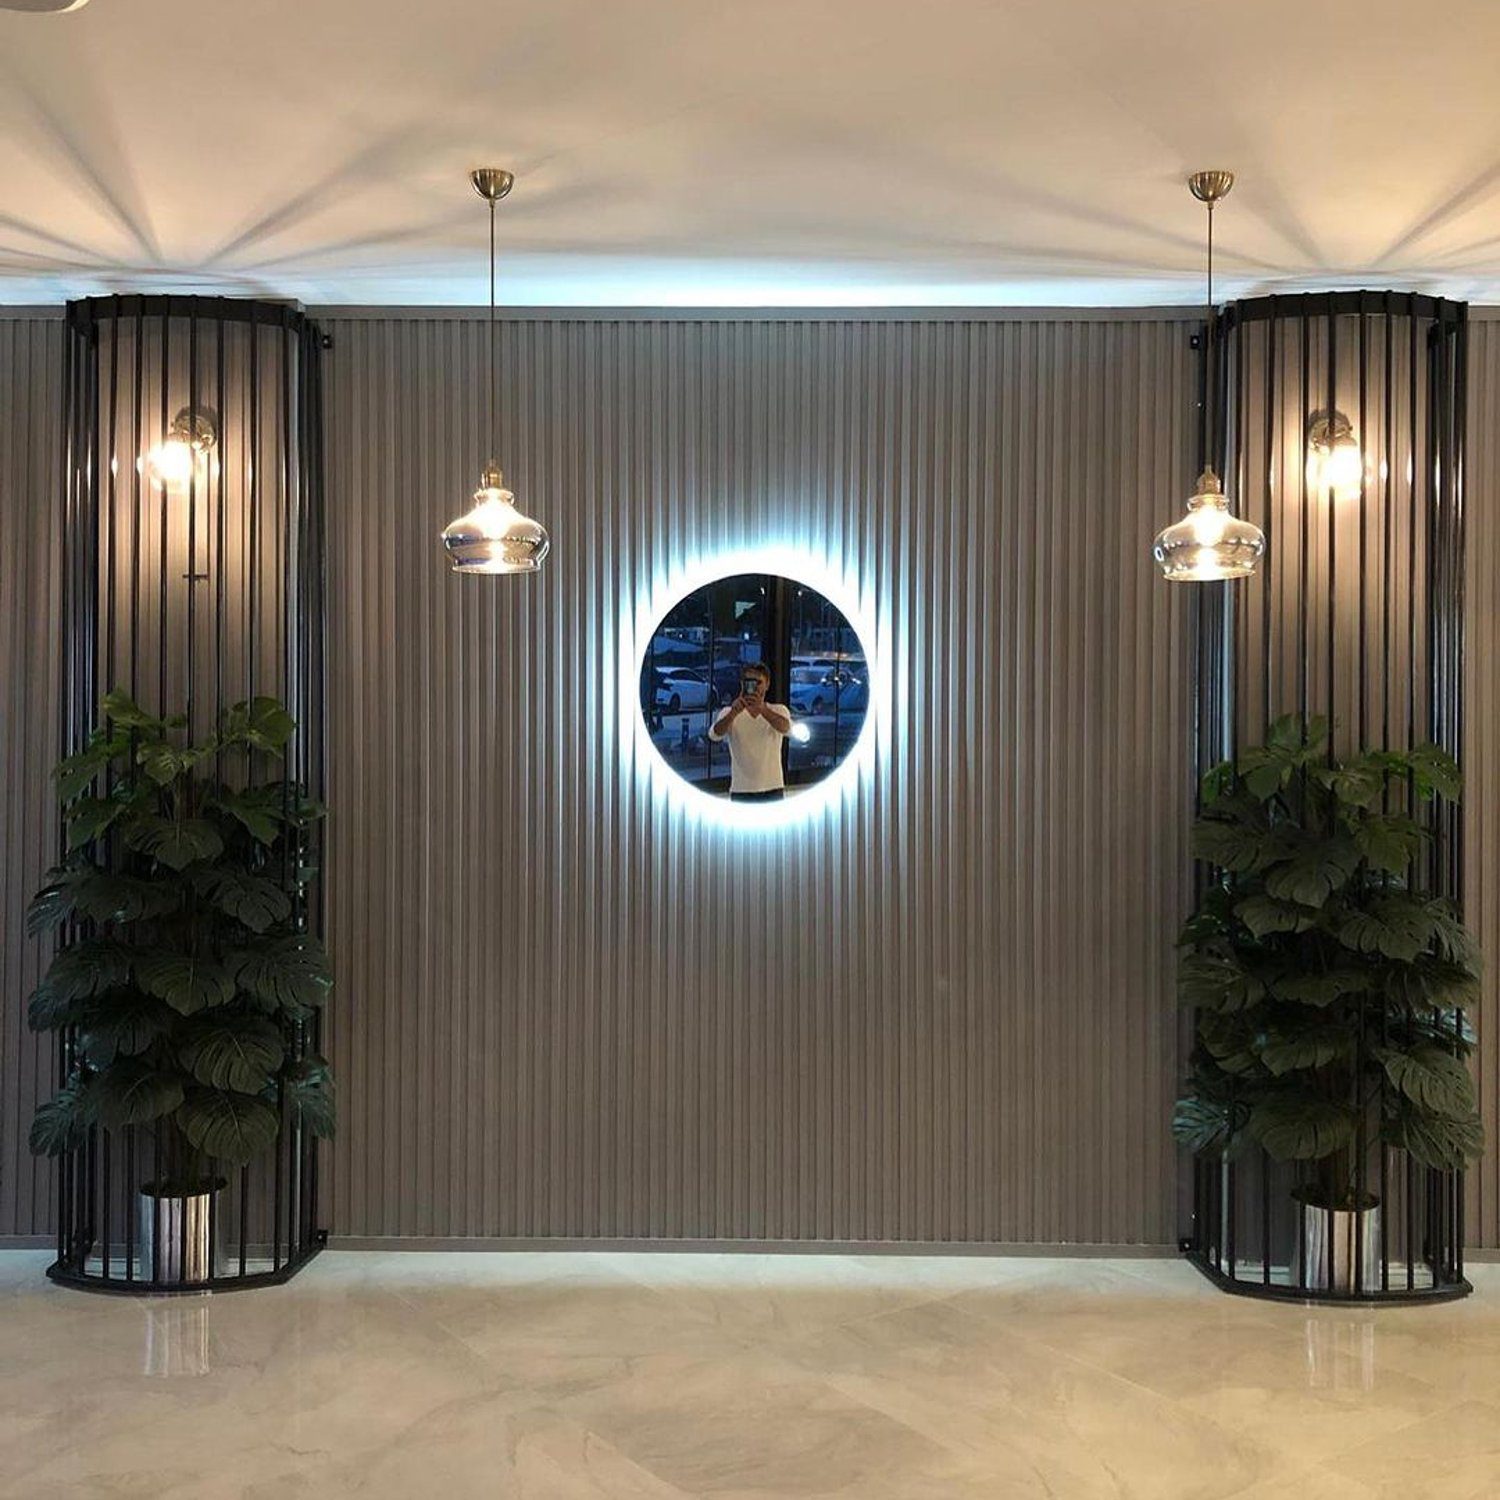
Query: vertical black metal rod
pixel 1364 535
pixel 190 594
pixel 137 562
pixel 1388 671
pixel 163 706
pixel 1275 501
pixel 1303 667
pixel 131 1177
pixel 112 510
pixel 1330 569
pixel 252 506
pixel 221 524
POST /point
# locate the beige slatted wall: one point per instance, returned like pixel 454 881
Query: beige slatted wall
pixel 30 490
pixel 568 1008
pixel 1482 750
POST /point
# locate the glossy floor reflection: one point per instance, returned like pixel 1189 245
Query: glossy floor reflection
pixel 658 1376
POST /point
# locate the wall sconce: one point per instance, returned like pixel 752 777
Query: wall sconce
pixel 1334 462
pixel 172 463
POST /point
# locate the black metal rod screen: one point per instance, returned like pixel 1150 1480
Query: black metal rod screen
pixel 1356 614
pixel 193 594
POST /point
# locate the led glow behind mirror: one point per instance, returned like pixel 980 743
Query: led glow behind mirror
pixel 754 691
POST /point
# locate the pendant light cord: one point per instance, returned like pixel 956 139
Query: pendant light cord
pixel 1211 393
pixel 494 347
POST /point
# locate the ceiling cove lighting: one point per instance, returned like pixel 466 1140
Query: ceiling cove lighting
pixel 1210 542
pixel 494 537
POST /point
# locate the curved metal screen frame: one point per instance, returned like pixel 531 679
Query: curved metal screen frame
pixel 192 601
pixel 1358 614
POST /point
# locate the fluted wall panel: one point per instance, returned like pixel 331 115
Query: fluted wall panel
pixel 1481 760
pixel 568 1006
pixel 31 405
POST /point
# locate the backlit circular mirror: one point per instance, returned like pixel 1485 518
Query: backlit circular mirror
pixel 754 687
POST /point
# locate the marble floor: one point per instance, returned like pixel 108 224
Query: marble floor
pixel 654 1377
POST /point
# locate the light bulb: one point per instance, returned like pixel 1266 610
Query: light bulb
pixel 1334 461
pixel 173 462
pixel 1209 524
pixel 169 465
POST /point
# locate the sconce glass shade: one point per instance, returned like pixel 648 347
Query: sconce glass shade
pixel 1334 461
pixel 494 537
pixel 170 465
pixel 1210 542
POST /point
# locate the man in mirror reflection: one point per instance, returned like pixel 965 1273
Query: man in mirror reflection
pixel 755 729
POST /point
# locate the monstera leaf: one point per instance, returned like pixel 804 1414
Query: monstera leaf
pixel 230 1050
pixel 1264 915
pixel 1301 1127
pixel 133 1091
pixel 186 982
pixel 251 899
pixel 1431 1078
pixel 287 974
pixel 1313 872
pixel 1434 1140
pixel 88 968
pixel 121 1024
pixel 76 773
pixel 1400 927
pixel 98 896
pixel 230 1126
pixel 61 1123
pixel 309 1091
pixel 261 724
pixel 175 842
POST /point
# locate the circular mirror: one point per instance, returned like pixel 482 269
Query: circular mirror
pixel 754 687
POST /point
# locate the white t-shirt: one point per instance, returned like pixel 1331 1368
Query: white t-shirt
pixel 754 750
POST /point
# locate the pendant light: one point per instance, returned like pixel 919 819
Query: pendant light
pixel 1210 542
pixel 494 537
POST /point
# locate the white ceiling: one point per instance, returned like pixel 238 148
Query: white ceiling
pixel 777 152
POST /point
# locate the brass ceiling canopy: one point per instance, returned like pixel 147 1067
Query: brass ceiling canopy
pixel 492 183
pixel 1209 187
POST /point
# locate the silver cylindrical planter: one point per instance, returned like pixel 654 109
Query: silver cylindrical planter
pixel 174 1237
pixel 1352 1263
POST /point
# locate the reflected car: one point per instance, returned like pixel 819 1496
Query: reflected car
pixel 682 687
pixel 818 690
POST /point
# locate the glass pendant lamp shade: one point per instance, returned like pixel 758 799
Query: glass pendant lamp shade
pixel 494 537
pixel 1210 542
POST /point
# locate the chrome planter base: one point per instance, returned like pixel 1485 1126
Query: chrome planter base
pixel 1342 1249
pixel 173 1231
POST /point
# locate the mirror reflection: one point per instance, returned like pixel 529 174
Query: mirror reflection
pixel 753 687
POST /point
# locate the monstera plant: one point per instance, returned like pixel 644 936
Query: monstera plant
pixel 185 974
pixel 1329 987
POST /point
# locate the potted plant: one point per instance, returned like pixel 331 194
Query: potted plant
pixel 185 974
pixel 1329 986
